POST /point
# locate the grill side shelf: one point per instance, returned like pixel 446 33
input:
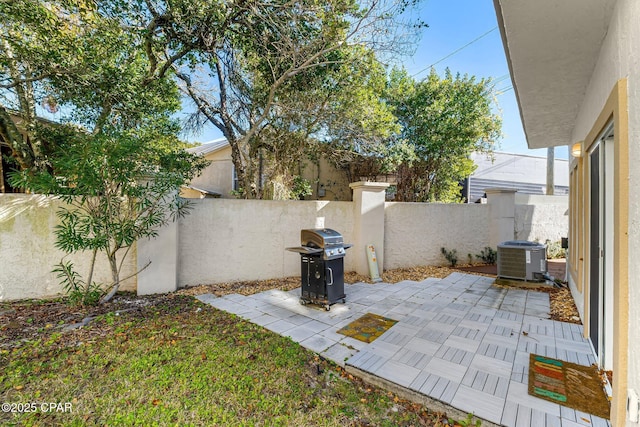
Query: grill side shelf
pixel 304 250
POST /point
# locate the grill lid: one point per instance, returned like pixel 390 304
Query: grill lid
pixel 321 238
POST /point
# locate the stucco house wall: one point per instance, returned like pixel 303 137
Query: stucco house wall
pixel 217 177
pixel 575 67
pixel 620 58
pixel 327 182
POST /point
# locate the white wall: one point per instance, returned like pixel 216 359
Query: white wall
pixel 224 240
pixel 415 232
pixel 538 218
pixel 228 240
pixel 619 58
pixel 27 252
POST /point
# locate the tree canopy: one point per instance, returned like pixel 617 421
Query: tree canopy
pixel 444 119
pixel 112 153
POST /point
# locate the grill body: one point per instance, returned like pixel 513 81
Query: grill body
pixel 321 266
pixel 322 280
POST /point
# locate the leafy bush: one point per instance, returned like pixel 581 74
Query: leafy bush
pixel 555 250
pixel 488 255
pixel 78 292
pixel 451 256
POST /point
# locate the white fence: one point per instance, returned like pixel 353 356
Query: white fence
pixel 28 254
pixel 415 232
pixel 224 240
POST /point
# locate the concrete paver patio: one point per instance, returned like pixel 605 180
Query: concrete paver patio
pixel 458 340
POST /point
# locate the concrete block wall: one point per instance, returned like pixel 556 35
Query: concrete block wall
pixel 225 240
pixel 538 218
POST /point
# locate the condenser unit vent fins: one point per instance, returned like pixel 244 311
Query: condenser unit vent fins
pixel 522 260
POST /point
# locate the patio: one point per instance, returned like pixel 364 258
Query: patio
pixel 459 341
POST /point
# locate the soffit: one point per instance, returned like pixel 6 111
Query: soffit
pixel 552 48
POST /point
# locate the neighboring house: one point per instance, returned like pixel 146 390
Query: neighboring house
pixel 527 174
pixel 575 67
pixel 219 178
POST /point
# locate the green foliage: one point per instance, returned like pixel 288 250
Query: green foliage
pixel 445 119
pixel 451 256
pixel 555 249
pixel 301 187
pixel 488 255
pixel 113 155
pixel 78 292
pixel 118 188
pixel 294 82
pixel 467 422
pixel 73 58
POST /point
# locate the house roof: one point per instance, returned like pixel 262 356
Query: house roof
pixel 204 192
pixel 209 147
pixel 552 47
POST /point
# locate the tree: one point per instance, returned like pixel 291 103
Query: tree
pixel 119 187
pixel 336 112
pixel 114 158
pixel 445 120
pixel 74 57
pixel 263 59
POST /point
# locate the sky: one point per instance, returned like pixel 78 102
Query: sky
pixel 462 35
pixel 457 23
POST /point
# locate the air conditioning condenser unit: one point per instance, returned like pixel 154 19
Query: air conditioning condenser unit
pixel 522 260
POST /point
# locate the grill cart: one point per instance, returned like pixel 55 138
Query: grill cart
pixel 322 254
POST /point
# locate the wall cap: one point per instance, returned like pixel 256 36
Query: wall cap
pixel 500 190
pixel 369 185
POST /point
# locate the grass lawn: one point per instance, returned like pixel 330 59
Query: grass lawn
pixel 176 361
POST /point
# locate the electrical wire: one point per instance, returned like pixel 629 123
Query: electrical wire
pixel 456 51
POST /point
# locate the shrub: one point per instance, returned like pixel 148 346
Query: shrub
pixel 555 250
pixel 451 256
pixel 488 255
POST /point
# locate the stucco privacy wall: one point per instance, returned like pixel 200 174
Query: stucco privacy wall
pixel 415 232
pixel 620 58
pixel 27 252
pixel 227 240
pixel 538 218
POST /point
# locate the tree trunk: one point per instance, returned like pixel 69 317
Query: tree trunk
pixel 115 275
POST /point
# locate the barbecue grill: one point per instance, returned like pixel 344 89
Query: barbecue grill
pixel 322 253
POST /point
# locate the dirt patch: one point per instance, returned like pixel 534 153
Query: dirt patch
pixel 26 320
pixel 488 269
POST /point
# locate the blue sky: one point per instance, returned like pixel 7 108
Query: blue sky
pixel 452 25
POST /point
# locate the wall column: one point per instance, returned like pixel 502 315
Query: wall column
pixel 502 219
pixel 368 228
pixel 161 275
